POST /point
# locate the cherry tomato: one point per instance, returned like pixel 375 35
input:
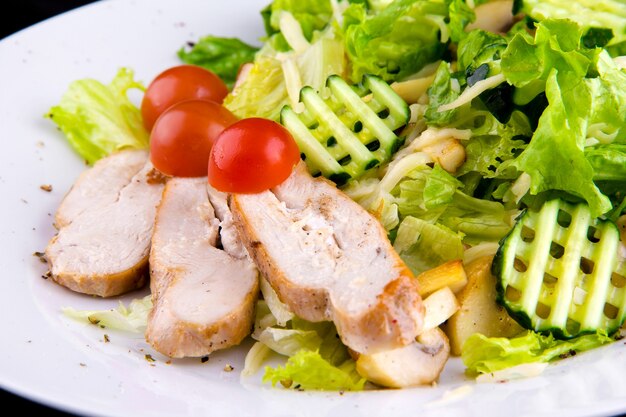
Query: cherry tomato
pixel 251 156
pixel 184 82
pixel 182 137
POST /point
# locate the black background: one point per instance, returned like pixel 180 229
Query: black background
pixel 19 15
pixel 23 13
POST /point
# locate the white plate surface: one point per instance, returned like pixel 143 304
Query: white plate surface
pixel 50 359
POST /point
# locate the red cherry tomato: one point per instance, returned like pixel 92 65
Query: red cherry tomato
pixel 182 137
pixel 184 82
pixel 251 156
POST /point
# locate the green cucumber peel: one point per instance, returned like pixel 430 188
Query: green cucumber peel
pixel 563 272
pixel 344 131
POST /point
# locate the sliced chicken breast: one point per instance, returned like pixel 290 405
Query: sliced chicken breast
pixel 203 296
pixel 229 236
pixel 103 243
pixel 100 185
pixel 329 259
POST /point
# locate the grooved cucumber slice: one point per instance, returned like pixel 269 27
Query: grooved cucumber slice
pixel 350 130
pixel 563 272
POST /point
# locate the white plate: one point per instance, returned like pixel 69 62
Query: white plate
pixel 67 365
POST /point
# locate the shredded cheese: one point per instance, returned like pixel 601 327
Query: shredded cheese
pixel 443 28
pixel 293 82
pixel 474 91
pixel 521 186
pixel 480 250
pixel 292 31
pixel 404 165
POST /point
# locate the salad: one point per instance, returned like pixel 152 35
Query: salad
pixel 486 137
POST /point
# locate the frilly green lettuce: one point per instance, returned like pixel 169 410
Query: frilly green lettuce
pixel 423 245
pixel 262 94
pixel 605 20
pixel 483 354
pixel 555 158
pixel 310 371
pixel 223 56
pixel 317 358
pixel 99 119
pixel 427 214
pixel 444 89
pixel 312 15
pixel 278 310
pixel 277 77
pixel 133 318
pixel 397 41
pixel 586 106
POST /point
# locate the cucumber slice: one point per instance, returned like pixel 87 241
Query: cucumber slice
pixel 560 271
pixel 348 129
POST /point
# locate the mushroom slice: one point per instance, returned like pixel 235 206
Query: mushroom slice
pixel 419 363
pixel 329 259
pixel 203 295
pixel 103 243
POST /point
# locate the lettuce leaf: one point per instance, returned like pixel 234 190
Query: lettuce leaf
pixel 483 354
pixel 480 47
pixel 423 245
pixel 608 162
pixel 427 214
pixel 397 41
pixel 554 159
pixel 312 15
pixel 586 106
pixel 276 307
pixel 459 16
pixel 609 173
pixel 493 146
pixel 99 119
pixel 223 56
pixel 308 370
pixel 556 45
pixel 133 318
pixel 313 345
pixel 439 188
pixel 444 89
pixel 609 15
pixel 255 358
pixel 477 220
pixel 607 119
pixel 264 92
pixel 289 341
pixel 472 219
pixel 560 98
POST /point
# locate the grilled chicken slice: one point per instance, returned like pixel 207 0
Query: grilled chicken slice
pixel 203 296
pixel 105 227
pixel 329 259
pixel 100 185
pixel 229 236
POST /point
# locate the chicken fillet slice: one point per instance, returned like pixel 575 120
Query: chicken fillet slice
pixel 329 259
pixel 204 296
pixel 105 226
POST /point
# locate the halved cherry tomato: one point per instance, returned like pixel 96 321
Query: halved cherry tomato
pixel 251 156
pixel 182 137
pixel 184 82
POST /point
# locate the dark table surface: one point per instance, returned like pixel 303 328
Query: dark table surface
pixel 20 15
